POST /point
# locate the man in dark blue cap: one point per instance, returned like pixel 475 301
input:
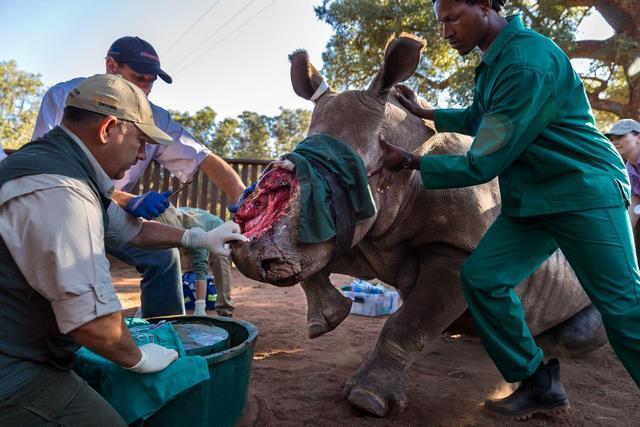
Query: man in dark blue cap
pixel 139 55
pixel 137 61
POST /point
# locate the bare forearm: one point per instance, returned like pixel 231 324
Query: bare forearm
pixel 110 338
pixel 155 235
pixel 121 198
pixel 223 176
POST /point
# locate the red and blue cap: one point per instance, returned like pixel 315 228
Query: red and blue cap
pixel 139 55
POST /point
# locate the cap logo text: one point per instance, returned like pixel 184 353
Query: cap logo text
pixel 149 55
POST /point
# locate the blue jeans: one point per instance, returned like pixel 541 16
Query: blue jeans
pixel 161 283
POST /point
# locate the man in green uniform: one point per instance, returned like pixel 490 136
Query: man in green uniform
pixel 562 185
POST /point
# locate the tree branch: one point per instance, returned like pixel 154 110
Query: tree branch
pixel 441 85
pixel 606 104
pixel 622 15
pixel 604 84
pixel 593 49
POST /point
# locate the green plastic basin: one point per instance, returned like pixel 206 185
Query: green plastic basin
pixel 220 401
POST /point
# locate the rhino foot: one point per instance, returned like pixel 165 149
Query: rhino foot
pixel 328 318
pixel 378 391
pixel 576 336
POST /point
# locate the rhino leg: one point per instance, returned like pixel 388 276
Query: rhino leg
pixel 576 336
pixel 436 300
pixel 326 306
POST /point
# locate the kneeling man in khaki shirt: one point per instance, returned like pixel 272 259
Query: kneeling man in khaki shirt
pixel 55 288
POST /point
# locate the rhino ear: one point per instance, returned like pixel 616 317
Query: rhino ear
pixel 401 58
pixel 305 79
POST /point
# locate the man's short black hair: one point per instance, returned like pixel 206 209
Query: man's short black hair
pixel 496 5
pixel 78 115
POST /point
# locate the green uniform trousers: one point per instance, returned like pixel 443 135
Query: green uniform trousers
pixel 598 243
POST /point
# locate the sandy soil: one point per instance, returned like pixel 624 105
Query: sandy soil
pixel 297 381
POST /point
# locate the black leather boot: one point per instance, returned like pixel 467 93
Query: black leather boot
pixel 542 392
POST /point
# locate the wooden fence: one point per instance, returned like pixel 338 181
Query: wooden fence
pixel 202 193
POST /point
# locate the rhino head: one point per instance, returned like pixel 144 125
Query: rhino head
pixel 357 117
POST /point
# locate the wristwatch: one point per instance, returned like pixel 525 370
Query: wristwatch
pixel 406 160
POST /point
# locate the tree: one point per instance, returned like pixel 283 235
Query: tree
pixel 202 125
pixel 226 136
pixel 613 77
pixel 250 135
pixel 19 102
pixel 362 28
pixel 253 137
pixel 289 128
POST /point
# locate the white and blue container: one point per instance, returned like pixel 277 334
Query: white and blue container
pixel 371 300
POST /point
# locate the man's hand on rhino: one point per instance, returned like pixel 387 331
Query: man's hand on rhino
pixel 410 101
pixel 215 241
pixel 393 159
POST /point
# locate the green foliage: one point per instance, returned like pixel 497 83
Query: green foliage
pixel 19 95
pixel 253 137
pixel 289 128
pixel 551 18
pixel 201 125
pixel 605 119
pixel 250 135
pixel 226 134
pixel 362 28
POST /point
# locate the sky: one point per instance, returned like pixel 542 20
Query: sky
pixel 227 54
pixel 238 67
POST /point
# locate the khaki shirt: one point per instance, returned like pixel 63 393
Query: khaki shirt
pixel 53 228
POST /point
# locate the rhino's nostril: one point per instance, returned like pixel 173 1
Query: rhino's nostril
pixel 268 263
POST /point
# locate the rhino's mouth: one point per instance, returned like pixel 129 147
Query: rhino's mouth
pixel 267 204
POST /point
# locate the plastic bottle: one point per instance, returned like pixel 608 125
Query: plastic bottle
pixel 362 286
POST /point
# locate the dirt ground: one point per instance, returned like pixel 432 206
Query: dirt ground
pixel 298 382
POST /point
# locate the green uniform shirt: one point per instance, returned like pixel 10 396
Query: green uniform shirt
pixel 534 129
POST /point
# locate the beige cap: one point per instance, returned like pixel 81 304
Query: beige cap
pixel 111 95
pixel 623 127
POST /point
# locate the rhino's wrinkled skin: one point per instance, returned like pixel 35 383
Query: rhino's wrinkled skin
pixel 417 242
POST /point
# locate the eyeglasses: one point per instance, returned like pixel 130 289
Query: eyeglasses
pixel 125 125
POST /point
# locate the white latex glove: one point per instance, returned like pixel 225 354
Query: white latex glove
pixel 215 241
pixel 200 308
pixel 154 358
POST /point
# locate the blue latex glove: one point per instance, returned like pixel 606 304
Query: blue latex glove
pixel 149 205
pixel 245 193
